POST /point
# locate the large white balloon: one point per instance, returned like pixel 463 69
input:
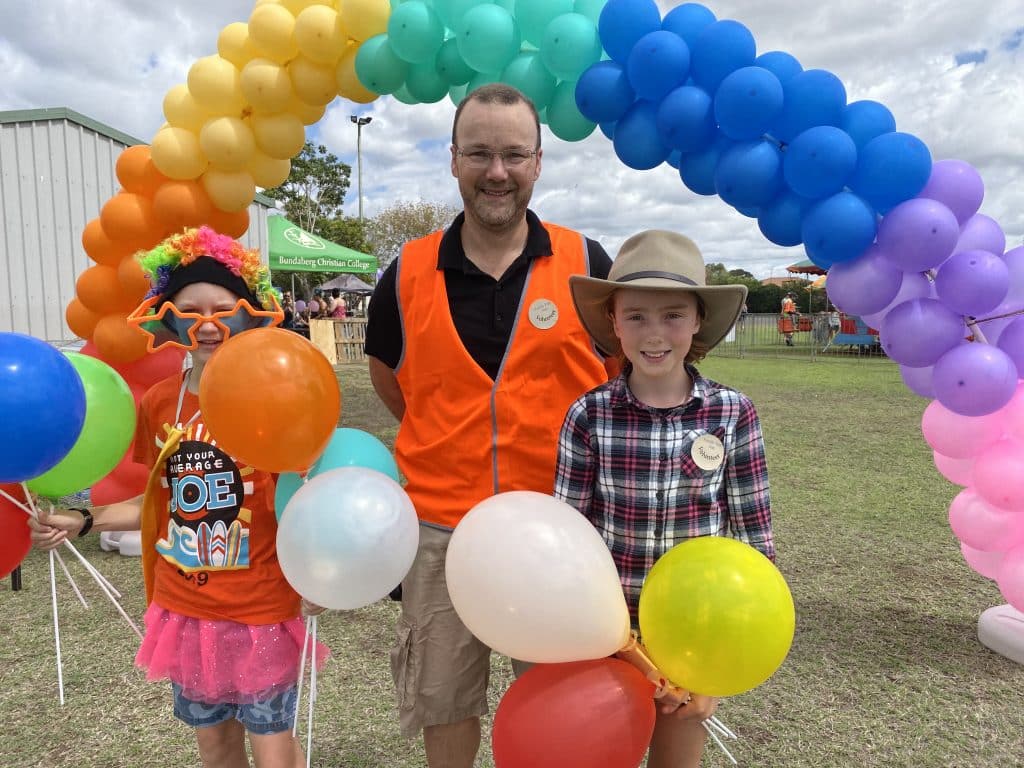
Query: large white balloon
pixel 347 537
pixel 532 578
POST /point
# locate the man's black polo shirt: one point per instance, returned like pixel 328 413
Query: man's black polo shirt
pixel 482 308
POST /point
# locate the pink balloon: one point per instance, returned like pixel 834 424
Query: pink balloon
pixel 956 436
pixel 983 563
pixel 957 471
pixel 1012 414
pixel 1010 577
pixel 981 526
pixel 999 474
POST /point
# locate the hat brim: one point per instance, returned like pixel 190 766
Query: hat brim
pixel 722 306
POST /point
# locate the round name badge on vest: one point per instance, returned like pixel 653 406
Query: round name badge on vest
pixel 707 452
pixel 543 314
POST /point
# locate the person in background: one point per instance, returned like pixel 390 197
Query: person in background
pixel 790 317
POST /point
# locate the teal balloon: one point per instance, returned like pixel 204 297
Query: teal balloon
pixel 564 117
pixel 481 79
pixel 457 93
pixel 488 38
pixel 415 31
pixel 403 95
pixel 287 484
pixel 425 84
pixel 535 15
pixel 378 67
pixel 571 44
pixel 528 73
pixel 589 8
pixel 450 66
pixel 106 434
pixel 458 8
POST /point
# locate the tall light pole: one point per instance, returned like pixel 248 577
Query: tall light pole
pixel 360 122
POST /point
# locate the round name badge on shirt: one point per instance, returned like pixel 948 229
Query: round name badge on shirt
pixel 543 314
pixel 707 452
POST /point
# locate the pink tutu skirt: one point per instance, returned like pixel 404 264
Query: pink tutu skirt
pixel 223 661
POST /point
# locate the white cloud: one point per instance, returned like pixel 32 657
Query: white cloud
pixel 113 60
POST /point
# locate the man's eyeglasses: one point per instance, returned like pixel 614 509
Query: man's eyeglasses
pixel 482 158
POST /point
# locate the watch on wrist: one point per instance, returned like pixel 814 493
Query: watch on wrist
pixel 87 520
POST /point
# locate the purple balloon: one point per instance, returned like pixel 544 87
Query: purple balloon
pixel 974 379
pixel 919 234
pixel 914 286
pixel 972 282
pixel 918 380
pixel 957 185
pixel 1011 341
pixel 981 233
pixel 300 306
pixel 917 333
pixel 1014 260
pixel 864 285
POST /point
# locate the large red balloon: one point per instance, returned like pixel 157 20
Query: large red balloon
pixel 576 715
pixel 14 534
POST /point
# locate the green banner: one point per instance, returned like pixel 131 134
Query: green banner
pixel 294 249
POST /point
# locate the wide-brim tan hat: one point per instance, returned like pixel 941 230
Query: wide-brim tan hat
pixel 656 260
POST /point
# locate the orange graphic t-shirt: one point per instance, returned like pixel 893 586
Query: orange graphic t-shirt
pixel 217 533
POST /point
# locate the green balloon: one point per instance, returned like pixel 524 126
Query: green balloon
pixel 535 15
pixel 403 95
pixel 483 78
pixel 108 431
pixel 415 32
pixel 590 8
pixel 571 44
pixel 528 73
pixel 564 118
pixel 450 66
pixel 488 38
pixel 457 93
pixel 458 8
pixel 378 67
pixel 425 84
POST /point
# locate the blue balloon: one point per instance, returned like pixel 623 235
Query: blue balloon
pixel 721 48
pixel 686 119
pixel 42 402
pixel 287 484
pixel 637 141
pixel 891 169
pixel 608 129
pixel 674 158
pixel 814 97
pixel 837 229
pixel 751 212
pixel 697 170
pixel 864 120
pixel 781 220
pixel 781 64
pixel 749 175
pixel 688 21
pixel 747 103
pixel 658 63
pixel 623 22
pixel 820 161
pixel 603 92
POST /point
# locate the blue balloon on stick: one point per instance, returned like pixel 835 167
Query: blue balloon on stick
pixel 603 92
pixel 721 48
pixel 686 119
pixel 658 63
pixel 697 170
pixel 813 97
pixel 864 120
pixel 747 103
pixel 749 175
pixel 688 21
pixel 637 141
pixel 780 221
pixel 838 228
pixel 820 161
pixel 891 169
pixel 623 22
pixel 781 64
pixel 42 402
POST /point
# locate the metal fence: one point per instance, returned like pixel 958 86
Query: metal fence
pixel 813 338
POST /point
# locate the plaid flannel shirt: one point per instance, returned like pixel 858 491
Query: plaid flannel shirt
pixel 628 468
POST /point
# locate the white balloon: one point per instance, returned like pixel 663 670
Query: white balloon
pixel 347 537
pixel 532 578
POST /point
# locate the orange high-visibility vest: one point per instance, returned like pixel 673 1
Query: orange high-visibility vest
pixel 464 437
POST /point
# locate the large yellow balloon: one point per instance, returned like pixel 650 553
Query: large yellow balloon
pixel 230 191
pixel 182 111
pixel 266 85
pixel 320 35
pixel 365 18
pixel 215 85
pixel 347 81
pixel 233 44
pixel 309 114
pixel 272 31
pixel 716 616
pixel 280 136
pixel 298 6
pixel 176 154
pixel 313 83
pixel 268 172
pixel 227 142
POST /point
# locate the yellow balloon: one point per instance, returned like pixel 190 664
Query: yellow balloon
pixel 227 142
pixel 307 113
pixel 215 85
pixel 230 191
pixel 365 18
pixel 298 6
pixel 176 153
pixel 233 44
pixel 268 172
pixel 348 83
pixel 266 85
pixel 281 136
pixel 313 83
pixel 320 35
pixel 272 31
pixel 716 616
pixel 182 111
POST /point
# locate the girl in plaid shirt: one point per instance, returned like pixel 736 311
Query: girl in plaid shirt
pixel 660 454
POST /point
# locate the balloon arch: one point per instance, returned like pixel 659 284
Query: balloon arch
pixel 901 236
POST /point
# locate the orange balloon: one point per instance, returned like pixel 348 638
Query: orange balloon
pixel 129 217
pixel 118 342
pixel 181 204
pixel 81 320
pixel 136 172
pixel 233 224
pixel 99 247
pixel 134 283
pixel 99 289
pixel 271 400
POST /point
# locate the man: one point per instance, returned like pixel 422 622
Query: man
pixel 474 346
pixel 789 317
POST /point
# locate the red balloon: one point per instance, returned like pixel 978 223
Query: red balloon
pixel 147 370
pixel 576 715
pixel 14 534
pixel 125 481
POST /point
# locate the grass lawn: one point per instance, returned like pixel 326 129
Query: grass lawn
pixel 885 671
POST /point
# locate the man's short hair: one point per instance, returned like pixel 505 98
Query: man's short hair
pixel 496 93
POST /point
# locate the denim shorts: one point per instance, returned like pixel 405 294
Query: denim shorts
pixel 262 717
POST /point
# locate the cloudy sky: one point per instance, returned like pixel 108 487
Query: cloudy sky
pixel 951 71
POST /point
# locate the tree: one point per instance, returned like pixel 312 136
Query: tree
pixel 390 229
pixel 315 189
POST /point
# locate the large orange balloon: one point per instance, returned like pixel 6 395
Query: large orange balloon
pixel 233 224
pixel 118 342
pixel 99 247
pixel 134 282
pixel 271 400
pixel 99 289
pixel 136 172
pixel 81 320
pixel 181 204
pixel 129 217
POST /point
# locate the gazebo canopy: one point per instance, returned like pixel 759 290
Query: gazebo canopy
pixel 806 267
